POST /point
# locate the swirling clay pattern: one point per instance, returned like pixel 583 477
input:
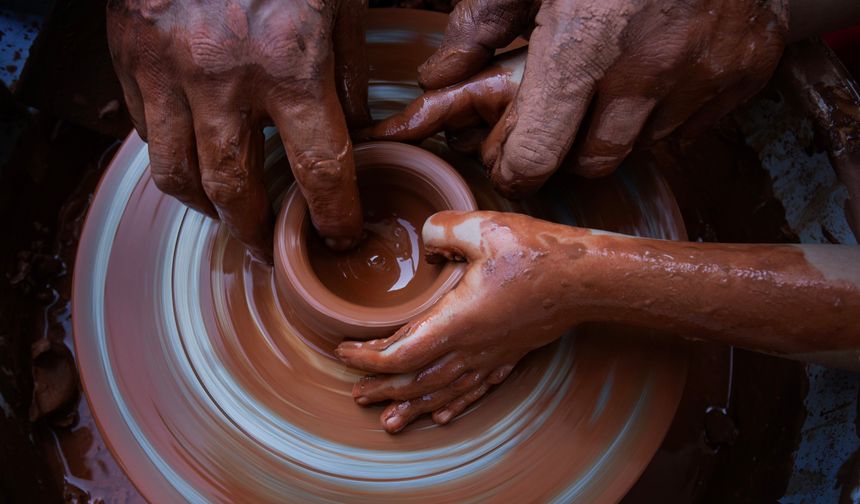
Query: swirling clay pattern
pixel 206 390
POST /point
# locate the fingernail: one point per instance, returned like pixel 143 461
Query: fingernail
pixel 392 423
pixel 444 417
pixel 342 354
pixel 362 401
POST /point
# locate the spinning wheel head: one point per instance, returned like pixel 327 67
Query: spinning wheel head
pixel 208 386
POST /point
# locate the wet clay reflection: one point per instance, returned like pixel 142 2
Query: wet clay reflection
pixel 388 265
pixel 213 389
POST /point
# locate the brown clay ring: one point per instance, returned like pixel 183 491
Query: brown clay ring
pixel 332 316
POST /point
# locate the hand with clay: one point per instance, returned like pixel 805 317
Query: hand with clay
pixel 470 340
pixel 202 78
pixel 464 111
pixel 529 281
pixel 640 69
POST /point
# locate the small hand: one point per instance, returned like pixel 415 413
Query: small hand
pixel 640 69
pixel 201 79
pixel 512 299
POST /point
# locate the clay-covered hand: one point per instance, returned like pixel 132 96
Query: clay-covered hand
pixel 202 77
pixel 511 300
pixel 464 111
pixel 602 75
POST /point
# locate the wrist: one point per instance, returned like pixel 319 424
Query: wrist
pixel 619 278
pixel 591 270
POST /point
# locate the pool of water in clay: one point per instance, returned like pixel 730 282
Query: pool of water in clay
pixel 388 266
pixel 682 466
pixel 206 389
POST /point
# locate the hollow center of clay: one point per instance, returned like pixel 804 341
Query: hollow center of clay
pixel 388 267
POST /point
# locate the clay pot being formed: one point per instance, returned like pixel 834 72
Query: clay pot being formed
pixel 384 282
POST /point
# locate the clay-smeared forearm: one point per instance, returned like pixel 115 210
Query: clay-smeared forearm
pixel 798 301
pixel 529 281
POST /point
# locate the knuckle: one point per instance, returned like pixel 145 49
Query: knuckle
pixel 225 190
pixel 321 174
pixel 172 181
pixel 206 51
pixel 528 160
pixel 466 382
pixel 297 53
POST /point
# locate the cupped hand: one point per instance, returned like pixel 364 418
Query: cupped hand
pixel 201 78
pixel 514 297
pixel 604 75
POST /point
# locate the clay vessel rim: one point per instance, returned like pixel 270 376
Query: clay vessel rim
pixel 433 171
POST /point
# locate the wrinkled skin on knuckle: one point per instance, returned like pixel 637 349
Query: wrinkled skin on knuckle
pixel 526 163
pixel 488 20
pixel 226 181
pixel 684 52
pixel 322 175
pixel 229 38
pixel 171 182
pixel 296 44
pixel 328 184
pixel 171 175
pixel 225 191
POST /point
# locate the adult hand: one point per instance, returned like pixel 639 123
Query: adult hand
pixel 201 78
pixel 464 111
pixel 515 297
pixel 641 69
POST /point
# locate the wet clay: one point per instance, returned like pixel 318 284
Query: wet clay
pixel 252 405
pixel 201 79
pixel 604 76
pixel 778 299
pixel 373 290
pixel 388 266
pixel 528 281
pixel 48 184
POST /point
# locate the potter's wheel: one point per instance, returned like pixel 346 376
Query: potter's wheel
pixel 205 390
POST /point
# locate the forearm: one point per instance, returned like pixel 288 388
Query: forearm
pixel 814 17
pixel 799 301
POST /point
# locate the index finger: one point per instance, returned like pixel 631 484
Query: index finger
pixel 476 28
pixel 313 130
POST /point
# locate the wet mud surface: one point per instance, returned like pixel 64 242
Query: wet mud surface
pixel 732 437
